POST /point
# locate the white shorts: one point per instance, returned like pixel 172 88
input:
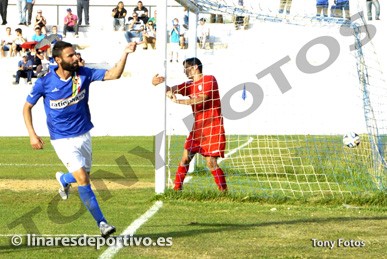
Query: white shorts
pixel 75 152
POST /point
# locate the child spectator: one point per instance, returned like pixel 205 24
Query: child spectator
pixel 174 40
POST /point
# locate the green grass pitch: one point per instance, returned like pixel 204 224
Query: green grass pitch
pixel 202 224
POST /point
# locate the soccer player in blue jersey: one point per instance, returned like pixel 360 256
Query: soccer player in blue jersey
pixel 65 92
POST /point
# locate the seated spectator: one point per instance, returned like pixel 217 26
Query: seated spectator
pixel 81 61
pixel 322 7
pixel 154 19
pixel 55 35
pixel 142 12
pixel 24 70
pixel 38 36
pixel 19 40
pixel 41 22
pixel 6 42
pixel 149 35
pixel 119 14
pixel 135 29
pixel 203 33
pixel 340 6
pixel 36 57
pixel 70 23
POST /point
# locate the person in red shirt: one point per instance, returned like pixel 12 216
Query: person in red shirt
pixel 207 136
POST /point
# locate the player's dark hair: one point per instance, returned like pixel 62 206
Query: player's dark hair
pixel 194 61
pixel 19 30
pixel 59 47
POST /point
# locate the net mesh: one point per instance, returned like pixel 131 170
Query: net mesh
pixel 286 138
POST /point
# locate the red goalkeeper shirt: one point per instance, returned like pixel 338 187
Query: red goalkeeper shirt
pixel 207 136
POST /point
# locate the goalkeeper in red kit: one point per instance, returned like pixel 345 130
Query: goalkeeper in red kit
pixel 207 136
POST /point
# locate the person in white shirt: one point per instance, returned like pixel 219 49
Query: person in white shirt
pixel 135 29
pixel 6 42
pixel 203 33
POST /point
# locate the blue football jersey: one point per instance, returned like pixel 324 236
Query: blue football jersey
pixel 66 101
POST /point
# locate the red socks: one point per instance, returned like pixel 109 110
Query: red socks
pixel 179 178
pixel 220 179
pixel 218 174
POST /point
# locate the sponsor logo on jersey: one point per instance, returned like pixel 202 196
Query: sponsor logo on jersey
pixel 60 104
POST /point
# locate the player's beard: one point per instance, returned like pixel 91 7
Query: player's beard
pixel 71 67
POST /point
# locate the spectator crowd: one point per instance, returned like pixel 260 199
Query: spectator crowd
pixel 135 24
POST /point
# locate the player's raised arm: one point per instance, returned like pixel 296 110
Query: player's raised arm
pixel 35 140
pixel 116 71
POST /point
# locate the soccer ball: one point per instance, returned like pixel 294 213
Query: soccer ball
pixel 351 139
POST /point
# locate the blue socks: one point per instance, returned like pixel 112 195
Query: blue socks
pixel 88 198
pixel 67 179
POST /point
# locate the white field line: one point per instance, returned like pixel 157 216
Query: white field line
pixel 226 156
pixel 130 230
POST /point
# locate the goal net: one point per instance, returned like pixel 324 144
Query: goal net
pixel 291 86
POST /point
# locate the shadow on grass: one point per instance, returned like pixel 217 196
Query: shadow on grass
pixel 206 228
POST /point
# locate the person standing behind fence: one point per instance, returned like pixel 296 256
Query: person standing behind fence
pixel 29 7
pixel 119 14
pixel 40 21
pixel 21 6
pixel 83 6
pixel 285 4
pixel 3 11
pixel 340 6
pixel 369 9
pixel 322 7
